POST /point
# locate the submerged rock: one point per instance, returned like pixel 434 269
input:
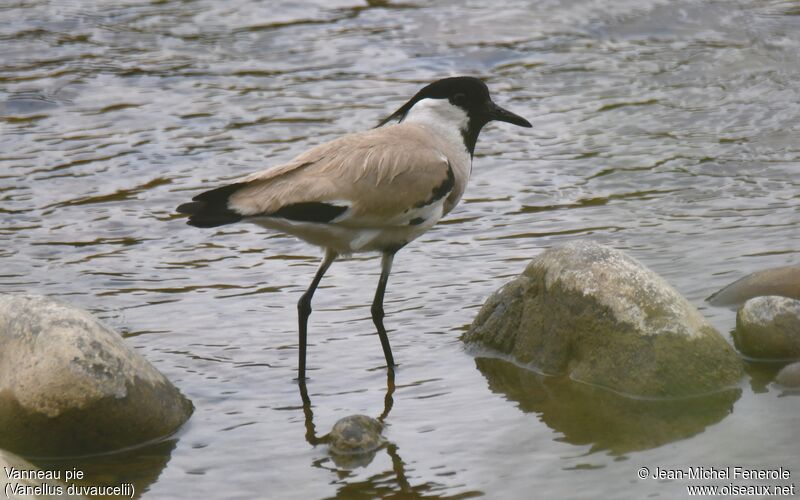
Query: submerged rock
pixel 19 480
pixel 789 376
pixel 603 318
pixel 69 385
pixel 781 281
pixel 768 328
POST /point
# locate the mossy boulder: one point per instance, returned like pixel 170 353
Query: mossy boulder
pixel 768 328
pixel 69 385
pixel 601 317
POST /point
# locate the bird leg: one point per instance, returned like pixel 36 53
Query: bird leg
pixel 377 307
pixel 304 310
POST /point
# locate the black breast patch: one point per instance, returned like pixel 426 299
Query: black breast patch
pixel 441 190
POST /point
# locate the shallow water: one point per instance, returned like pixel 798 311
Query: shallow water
pixel 666 129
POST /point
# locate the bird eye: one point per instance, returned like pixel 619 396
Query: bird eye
pixel 459 99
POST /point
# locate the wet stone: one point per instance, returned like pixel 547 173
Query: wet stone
pixel 782 281
pixel 789 376
pixel 768 328
pixel 69 385
pixel 601 317
pixel 355 434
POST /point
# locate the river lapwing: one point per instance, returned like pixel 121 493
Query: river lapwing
pixel 373 191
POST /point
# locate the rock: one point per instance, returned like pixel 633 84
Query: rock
pixel 603 318
pixel 69 385
pixel 355 434
pixel 782 281
pixel 19 480
pixel 789 376
pixel 768 328
pixel 354 440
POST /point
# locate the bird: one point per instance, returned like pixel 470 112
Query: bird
pixel 370 191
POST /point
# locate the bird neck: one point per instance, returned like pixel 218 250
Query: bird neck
pixel 446 120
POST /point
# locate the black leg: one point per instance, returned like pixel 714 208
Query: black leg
pixel 304 310
pixel 377 308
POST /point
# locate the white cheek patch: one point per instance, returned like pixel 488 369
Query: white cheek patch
pixel 438 112
pixel 447 120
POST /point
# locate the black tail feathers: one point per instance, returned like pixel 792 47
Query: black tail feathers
pixel 210 209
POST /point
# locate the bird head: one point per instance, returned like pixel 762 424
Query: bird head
pixel 462 102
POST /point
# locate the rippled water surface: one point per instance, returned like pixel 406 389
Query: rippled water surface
pixel 666 129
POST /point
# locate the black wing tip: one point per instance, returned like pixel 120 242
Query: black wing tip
pixel 210 209
pixel 211 221
pixel 190 208
pixel 219 195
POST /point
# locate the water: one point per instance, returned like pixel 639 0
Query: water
pixel 666 129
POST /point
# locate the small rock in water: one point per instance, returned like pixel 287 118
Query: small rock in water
pixel 781 281
pixel 355 434
pixel 789 376
pixel 768 328
pixel 69 385
pixel 600 316
pixel 354 440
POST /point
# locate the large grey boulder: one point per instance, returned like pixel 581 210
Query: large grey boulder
pixel 768 328
pixel 601 317
pixel 69 385
pixel 783 281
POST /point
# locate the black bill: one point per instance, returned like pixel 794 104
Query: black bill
pixel 503 115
